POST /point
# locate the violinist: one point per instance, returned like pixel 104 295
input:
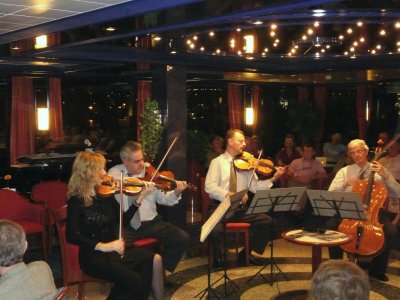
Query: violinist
pixel 220 181
pixel 93 224
pixel 146 222
pixel 344 181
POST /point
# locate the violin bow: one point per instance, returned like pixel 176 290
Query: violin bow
pixel 255 168
pixel 121 204
pixel 162 161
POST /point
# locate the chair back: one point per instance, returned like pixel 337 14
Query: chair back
pixel 53 193
pixel 205 199
pixel 15 207
pixel 72 272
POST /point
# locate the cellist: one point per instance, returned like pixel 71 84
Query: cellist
pixel 344 181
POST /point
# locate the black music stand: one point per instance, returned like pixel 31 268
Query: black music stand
pixel 223 213
pixel 271 201
pixel 345 205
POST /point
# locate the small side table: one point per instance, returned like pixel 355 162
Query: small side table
pixel 317 241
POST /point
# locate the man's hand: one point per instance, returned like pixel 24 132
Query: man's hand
pixel 350 182
pixel 180 187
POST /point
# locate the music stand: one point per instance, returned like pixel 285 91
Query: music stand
pixel 346 205
pixel 271 201
pixel 225 210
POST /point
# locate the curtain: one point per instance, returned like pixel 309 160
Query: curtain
pixel 302 93
pixel 255 94
pixel 235 108
pixel 361 102
pixel 143 94
pixel 144 86
pixel 22 118
pixel 55 109
pixel 320 103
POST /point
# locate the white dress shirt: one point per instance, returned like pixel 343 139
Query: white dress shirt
pixel 354 171
pixel 148 209
pixel 218 175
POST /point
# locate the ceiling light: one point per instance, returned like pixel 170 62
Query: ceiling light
pixel 272 33
pixel 397 25
pixel 318 12
pixel 316 24
pixel 359 23
pixel 349 30
pixel 201 48
pixel 211 33
pixel 41 42
pixel 110 28
pixel 310 31
pixel 382 32
pixel 157 38
pixel 195 37
pixel 341 37
pixel 362 40
pixel 274 26
pixel 258 22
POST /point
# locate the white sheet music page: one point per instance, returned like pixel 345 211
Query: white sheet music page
pixel 214 218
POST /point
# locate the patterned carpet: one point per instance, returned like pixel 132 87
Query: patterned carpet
pixel 293 260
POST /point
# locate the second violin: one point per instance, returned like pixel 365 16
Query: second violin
pixel 247 161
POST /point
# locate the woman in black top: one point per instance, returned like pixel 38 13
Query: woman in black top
pixel 93 224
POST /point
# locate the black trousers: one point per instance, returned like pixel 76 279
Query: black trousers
pixel 131 274
pixel 174 239
pixel 260 230
pixel 379 263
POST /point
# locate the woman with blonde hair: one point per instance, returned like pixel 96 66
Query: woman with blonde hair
pixel 93 224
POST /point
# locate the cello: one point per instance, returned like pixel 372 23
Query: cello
pixel 368 234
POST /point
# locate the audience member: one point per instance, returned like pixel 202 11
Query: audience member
pixel 255 146
pixel 306 171
pixel 217 148
pixel 339 280
pixel 289 152
pixel 392 163
pixel 334 149
pixel 18 280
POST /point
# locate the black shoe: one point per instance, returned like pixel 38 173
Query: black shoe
pixel 379 276
pixel 217 263
pixel 252 260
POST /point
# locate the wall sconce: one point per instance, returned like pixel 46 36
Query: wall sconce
pixel 250 43
pixel 41 42
pixel 43 118
pixel 249 116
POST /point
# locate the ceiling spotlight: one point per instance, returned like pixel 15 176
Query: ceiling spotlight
pixel 258 22
pixel 310 31
pixel 382 32
pixel 110 28
pixel 274 26
pixel 349 30
pixel 362 40
pixel 359 23
pixel 211 33
pixel 316 24
pixel 397 25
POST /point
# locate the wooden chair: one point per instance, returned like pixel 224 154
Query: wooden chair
pixel 231 227
pixel 30 216
pixel 53 195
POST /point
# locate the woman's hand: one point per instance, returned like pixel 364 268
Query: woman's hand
pixel 117 246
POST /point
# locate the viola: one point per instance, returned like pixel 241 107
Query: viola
pixel 247 162
pixel 164 179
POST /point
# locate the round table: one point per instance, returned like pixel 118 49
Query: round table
pixel 316 241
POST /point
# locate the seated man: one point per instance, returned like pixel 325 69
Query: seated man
pixel 339 279
pixel 222 180
pixel 146 222
pixel 306 171
pixel 18 280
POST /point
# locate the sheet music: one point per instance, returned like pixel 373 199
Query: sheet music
pixel 214 218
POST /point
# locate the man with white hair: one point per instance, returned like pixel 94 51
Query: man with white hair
pixel 18 280
pixel 344 181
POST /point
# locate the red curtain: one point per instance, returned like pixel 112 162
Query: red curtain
pixel 143 94
pixel 235 107
pixel 361 102
pixel 302 93
pixel 22 118
pixel 320 103
pixel 255 94
pixel 55 109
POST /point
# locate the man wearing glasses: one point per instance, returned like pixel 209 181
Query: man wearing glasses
pixel 344 181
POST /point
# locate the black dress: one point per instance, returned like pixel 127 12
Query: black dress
pixel 87 226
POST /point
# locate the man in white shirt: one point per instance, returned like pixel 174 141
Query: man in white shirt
pixel 218 185
pixel 344 181
pixel 146 222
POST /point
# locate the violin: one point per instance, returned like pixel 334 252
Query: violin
pixel 131 186
pixel 164 179
pixel 247 162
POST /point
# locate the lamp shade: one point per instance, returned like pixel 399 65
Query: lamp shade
pixel 43 118
pixel 249 114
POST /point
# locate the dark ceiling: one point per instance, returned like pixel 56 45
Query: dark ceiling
pixel 300 42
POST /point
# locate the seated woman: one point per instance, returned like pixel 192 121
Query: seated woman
pixel 93 224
